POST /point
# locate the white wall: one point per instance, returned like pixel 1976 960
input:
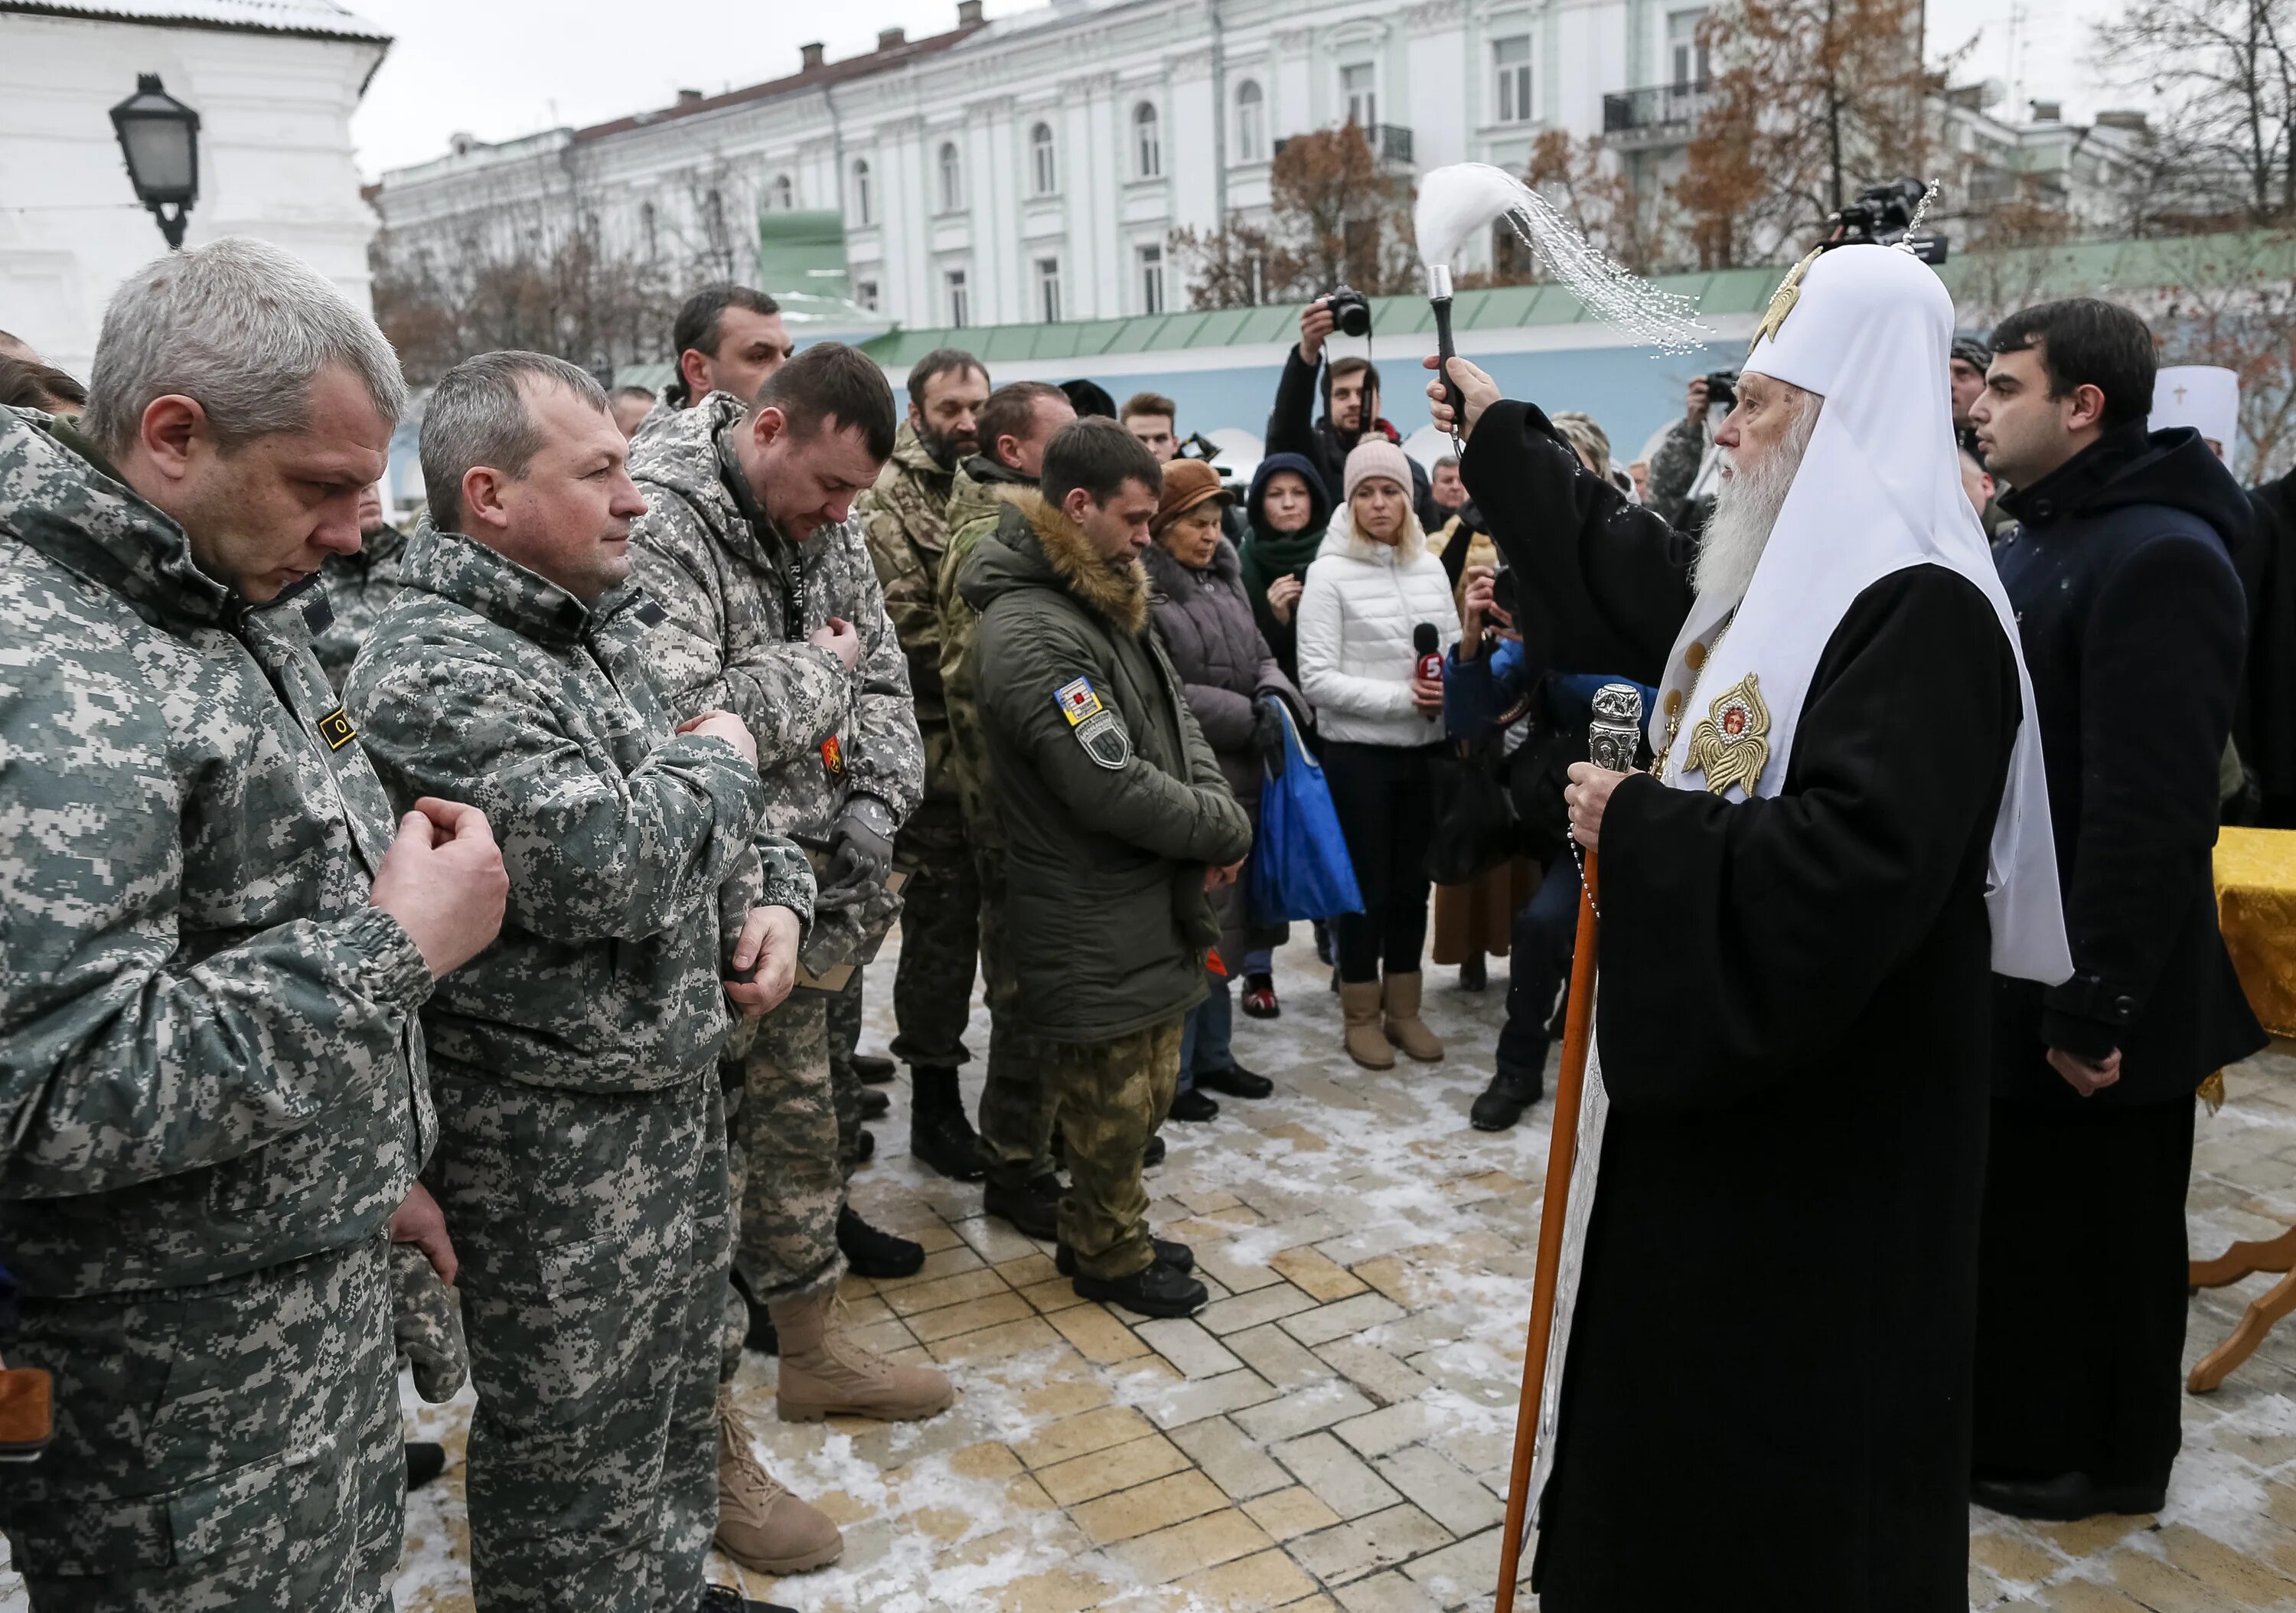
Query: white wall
pixel 274 162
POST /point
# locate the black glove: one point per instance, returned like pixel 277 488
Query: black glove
pixel 1267 734
pixel 860 852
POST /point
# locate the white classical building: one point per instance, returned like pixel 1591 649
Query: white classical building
pixel 275 83
pixel 1031 170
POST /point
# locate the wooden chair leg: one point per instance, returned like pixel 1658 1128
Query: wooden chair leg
pixel 2217 1364
pixel 2274 1255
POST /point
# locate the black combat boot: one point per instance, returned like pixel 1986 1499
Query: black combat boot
pixel 1032 1207
pixel 1193 1106
pixel 1235 1081
pixel 761 1337
pixel 875 1105
pixel 1510 1092
pixel 1171 1251
pixel 1155 1290
pixel 724 1598
pixel 872 1069
pixel 874 1254
pixel 425 1462
pixel 1153 1154
pixel 940 1134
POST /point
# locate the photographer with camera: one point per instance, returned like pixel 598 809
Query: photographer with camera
pixel 1674 469
pixel 1350 392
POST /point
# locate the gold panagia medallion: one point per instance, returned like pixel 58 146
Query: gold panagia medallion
pixel 1731 743
pixel 1782 303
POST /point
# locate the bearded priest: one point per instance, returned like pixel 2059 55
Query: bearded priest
pixel 1763 1398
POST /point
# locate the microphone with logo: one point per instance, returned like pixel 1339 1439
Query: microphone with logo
pixel 1427 644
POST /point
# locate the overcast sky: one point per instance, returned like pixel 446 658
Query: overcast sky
pixel 502 67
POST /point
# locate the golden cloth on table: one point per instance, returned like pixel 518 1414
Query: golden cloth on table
pixel 2256 908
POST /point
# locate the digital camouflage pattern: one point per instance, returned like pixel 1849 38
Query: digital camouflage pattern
pixel 357 589
pixel 906 519
pixel 211 1060
pixel 979 490
pixel 229 1444
pixel 841 1028
pixel 427 1322
pixel 1111 1096
pixel 785 1164
pixel 592 1228
pixel 486 683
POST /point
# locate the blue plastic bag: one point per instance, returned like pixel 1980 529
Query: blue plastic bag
pixel 1299 866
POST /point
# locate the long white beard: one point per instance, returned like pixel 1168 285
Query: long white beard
pixel 1746 508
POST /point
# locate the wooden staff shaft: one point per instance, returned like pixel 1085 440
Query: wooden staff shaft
pixel 1561 1154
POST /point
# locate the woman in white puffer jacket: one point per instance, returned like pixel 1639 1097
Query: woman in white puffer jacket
pixel 1381 728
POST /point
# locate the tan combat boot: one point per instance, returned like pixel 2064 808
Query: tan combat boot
pixel 1366 1043
pixel 1405 1028
pixel 827 1372
pixel 761 1524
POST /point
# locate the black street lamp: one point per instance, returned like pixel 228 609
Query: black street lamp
pixel 159 136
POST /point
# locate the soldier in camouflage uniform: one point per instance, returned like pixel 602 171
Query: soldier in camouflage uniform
pixel 906 517
pixel 213 1103
pixel 775 615
pixel 1016 1124
pixel 581 1157
pixel 1674 468
pixel 356 590
pixel 1104 785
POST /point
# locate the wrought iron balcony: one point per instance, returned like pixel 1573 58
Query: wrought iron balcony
pixel 1662 114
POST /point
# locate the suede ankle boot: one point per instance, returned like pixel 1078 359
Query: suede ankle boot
pixel 1366 1043
pixel 1405 1028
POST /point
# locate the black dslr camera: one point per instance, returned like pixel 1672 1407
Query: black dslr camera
pixel 1722 389
pixel 1350 310
pixel 1882 215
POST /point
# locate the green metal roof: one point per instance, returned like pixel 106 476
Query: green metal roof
pixel 2094 266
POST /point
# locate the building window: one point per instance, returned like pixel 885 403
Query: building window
pixel 1686 51
pixel 1152 279
pixel 1250 122
pixel 1048 289
pixel 864 293
pixel 960 300
pixel 861 204
pixel 1044 164
pixel 785 193
pixel 952 178
pixel 1147 141
pixel 1359 89
pixel 1512 58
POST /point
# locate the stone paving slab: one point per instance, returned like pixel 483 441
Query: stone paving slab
pixel 1333 1433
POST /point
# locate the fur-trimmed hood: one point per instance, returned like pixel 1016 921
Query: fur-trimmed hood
pixel 1036 545
pixel 1342 539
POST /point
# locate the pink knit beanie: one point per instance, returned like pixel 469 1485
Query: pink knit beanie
pixel 1376 456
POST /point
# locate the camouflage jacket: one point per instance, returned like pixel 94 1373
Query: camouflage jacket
pixel 905 518
pixel 1674 468
pixel 485 683
pixel 980 490
pixel 209 1058
pixel 357 589
pixel 741 600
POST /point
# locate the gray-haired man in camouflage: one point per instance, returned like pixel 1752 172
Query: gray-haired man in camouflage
pixel 212 1097
pixel 581 1161
pixel 775 615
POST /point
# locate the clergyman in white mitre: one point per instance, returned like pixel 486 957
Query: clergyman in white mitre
pixel 1770 1262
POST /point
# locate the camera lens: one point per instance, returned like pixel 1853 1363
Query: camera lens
pixel 1355 319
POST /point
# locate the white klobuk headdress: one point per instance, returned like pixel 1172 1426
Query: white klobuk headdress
pixel 1869 329
pixel 2205 397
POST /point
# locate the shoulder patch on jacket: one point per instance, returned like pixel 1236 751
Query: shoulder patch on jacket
pixel 1077 701
pixel 1104 740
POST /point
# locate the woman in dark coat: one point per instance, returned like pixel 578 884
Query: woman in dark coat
pixel 1287 510
pixel 1197 592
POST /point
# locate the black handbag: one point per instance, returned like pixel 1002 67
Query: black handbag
pixel 1474 818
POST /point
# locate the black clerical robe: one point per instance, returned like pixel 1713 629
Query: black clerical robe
pixel 1765 1401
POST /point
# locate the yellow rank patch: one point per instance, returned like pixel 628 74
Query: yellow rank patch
pixel 335 728
pixel 1731 744
pixel 1077 701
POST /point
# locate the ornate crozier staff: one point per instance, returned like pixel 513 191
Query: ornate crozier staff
pixel 1611 742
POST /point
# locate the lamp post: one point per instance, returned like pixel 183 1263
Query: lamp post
pixel 159 137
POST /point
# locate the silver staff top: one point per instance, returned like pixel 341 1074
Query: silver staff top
pixel 1617 730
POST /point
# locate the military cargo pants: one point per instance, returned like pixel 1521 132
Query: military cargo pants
pixel 1110 1098
pixel 592 1231
pixel 1016 1112
pixel 787 1185
pixel 940 938
pixel 231 1445
pixel 842 1026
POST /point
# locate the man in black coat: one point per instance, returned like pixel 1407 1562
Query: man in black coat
pixel 2132 624
pixel 1350 394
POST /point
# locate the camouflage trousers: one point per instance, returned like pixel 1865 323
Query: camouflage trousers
pixel 1110 1097
pixel 842 1026
pixel 1016 1115
pixel 592 1231
pixel 428 1323
pixel 940 938
pixel 784 1171
pixel 231 1445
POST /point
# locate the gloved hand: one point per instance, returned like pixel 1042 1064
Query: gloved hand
pixel 860 852
pixel 1267 734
